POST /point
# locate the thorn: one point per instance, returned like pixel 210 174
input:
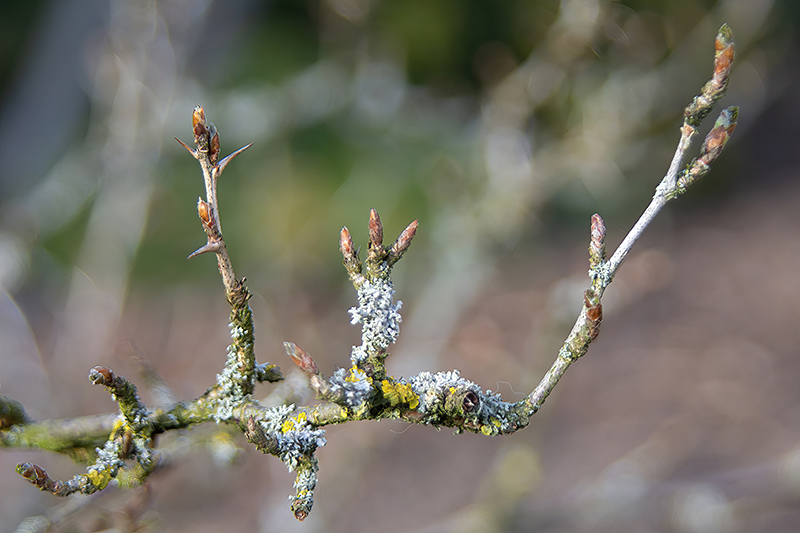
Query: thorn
pixel 191 150
pixel 224 163
pixel 215 247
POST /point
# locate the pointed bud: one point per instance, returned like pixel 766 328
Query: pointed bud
pixel 204 211
pixel 33 473
pixel 594 312
pixel 716 87
pixel 198 116
pixel 597 244
pixel 403 242
pixel 213 147
pixel 723 45
pixel 717 138
pixel 375 230
pixel 346 245
pixel 301 358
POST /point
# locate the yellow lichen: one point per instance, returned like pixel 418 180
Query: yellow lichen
pixel 294 423
pixel 398 393
pixel 357 375
pixel 99 478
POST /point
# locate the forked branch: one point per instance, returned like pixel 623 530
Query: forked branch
pixel 120 448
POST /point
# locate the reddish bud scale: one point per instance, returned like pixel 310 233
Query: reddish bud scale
pixel 101 375
pixel 213 149
pixel 301 358
pixel 204 211
pixel 594 312
pixel 723 60
pixel 598 238
pixel 404 240
pixel 198 116
pixel 346 245
pixel 375 229
pixel 200 131
pixel 33 473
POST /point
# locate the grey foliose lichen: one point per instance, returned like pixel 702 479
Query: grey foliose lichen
pixel 357 386
pixel 379 316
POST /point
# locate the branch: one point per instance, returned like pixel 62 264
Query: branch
pixel 673 184
pixel 120 448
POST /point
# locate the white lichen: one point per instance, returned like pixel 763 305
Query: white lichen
pixel 357 386
pixel 379 316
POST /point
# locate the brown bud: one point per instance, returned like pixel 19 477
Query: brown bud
pixel 597 243
pixel 375 229
pixel 723 44
pixel 213 147
pixel 198 116
pixel 101 375
pixel 346 244
pixel 594 312
pixel 301 358
pixel 723 61
pixel 33 473
pixel 404 240
pixel 204 211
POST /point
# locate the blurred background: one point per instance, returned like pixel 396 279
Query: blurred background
pixel 501 126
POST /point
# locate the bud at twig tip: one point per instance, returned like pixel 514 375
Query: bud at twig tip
pixel 346 245
pixel 404 240
pixel 198 116
pixel 301 358
pixel 375 229
pixel 597 243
